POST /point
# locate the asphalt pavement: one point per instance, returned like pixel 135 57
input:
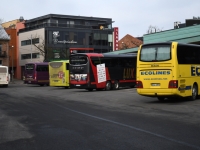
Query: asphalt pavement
pixel 17 81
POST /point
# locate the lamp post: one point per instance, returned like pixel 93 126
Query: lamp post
pixel 31 47
pixel 12 62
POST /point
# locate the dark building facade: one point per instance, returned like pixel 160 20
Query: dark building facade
pixel 64 34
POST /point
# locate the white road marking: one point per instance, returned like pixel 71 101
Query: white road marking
pixel 131 127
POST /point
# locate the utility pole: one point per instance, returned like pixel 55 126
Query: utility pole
pixel 12 62
pixel 31 47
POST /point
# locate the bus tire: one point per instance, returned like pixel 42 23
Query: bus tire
pixel 194 92
pixel 41 84
pixel 108 86
pixel 116 85
pixel 161 99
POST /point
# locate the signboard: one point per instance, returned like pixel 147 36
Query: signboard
pixel 101 73
pixel 56 34
pixel 116 38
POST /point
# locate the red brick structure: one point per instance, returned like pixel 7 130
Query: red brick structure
pixel 4 47
pixel 129 41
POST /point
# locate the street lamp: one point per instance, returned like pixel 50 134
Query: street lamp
pixel 12 62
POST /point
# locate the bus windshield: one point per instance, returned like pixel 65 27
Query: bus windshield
pixel 78 60
pixel 30 66
pixel 155 53
pixel 3 70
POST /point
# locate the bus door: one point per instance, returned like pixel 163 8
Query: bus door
pixel 79 70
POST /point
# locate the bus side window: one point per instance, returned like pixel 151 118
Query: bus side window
pixel 67 66
pixel 96 60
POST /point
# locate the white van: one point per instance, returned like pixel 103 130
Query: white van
pixel 4 76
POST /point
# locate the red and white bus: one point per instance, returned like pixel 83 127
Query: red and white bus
pixel 102 71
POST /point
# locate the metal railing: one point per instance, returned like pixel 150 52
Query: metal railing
pixel 37 26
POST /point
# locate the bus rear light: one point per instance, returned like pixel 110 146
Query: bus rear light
pixel 7 78
pixel 139 84
pixel 173 84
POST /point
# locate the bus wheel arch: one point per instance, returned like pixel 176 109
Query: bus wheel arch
pixel 108 86
pixel 194 91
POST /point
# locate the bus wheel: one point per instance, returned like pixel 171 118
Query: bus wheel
pixel 116 85
pixel 161 98
pixel 194 92
pixel 41 84
pixel 108 86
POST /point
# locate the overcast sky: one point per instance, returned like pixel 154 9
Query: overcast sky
pixel 131 17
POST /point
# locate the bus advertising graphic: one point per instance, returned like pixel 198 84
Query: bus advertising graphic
pixel 101 73
pixel 59 73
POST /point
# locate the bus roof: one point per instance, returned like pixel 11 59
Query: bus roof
pixel 39 63
pixel 158 43
pixel 108 54
pixel 59 61
pixel 3 66
pixel 161 43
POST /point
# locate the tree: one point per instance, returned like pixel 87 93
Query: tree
pixel 153 29
pixel 49 53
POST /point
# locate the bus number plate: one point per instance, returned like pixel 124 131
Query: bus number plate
pixel 155 84
pixel 77 85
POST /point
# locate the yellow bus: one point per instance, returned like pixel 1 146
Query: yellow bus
pixel 59 73
pixel 169 69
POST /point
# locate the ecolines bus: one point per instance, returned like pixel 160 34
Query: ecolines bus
pixel 168 69
pixel 102 71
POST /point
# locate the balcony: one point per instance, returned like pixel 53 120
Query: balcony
pixel 2 54
pixel 43 25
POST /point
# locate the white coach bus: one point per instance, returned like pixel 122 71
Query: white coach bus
pixel 4 76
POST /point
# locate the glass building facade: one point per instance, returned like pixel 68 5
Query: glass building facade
pixel 64 34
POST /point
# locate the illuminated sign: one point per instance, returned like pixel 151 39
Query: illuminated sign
pixel 56 34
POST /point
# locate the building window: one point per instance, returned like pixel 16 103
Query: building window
pixel 28 42
pixel 0 62
pixel 70 23
pixel 28 56
pixel 0 48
